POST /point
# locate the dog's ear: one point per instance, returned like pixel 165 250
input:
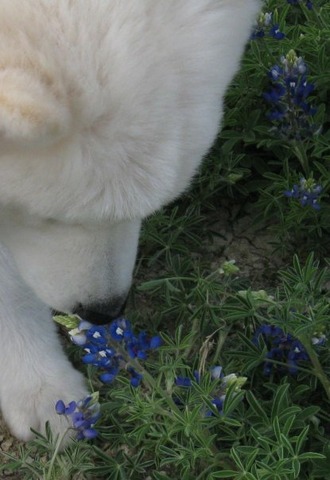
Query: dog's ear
pixel 32 113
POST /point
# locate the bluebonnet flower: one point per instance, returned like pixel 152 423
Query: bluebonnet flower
pixel 99 343
pixel 307 192
pixel 308 3
pixel 135 377
pixel 81 415
pixel 185 381
pixel 78 336
pixel 276 33
pixel 282 347
pixel 288 97
pixel 120 329
pixel 265 23
pixel 219 395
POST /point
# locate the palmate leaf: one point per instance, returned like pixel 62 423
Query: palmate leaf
pixel 257 408
pixel 250 454
pixel 265 442
pixel 280 401
pixel 279 471
pixel 251 355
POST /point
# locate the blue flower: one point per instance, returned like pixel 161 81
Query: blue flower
pixel 183 381
pixel 282 347
pixel 78 335
pixel 258 33
pixel 135 377
pixel 82 415
pixel 263 24
pixel 276 33
pixel 217 372
pixel 218 403
pixel 63 409
pixel 155 342
pixel 307 192
pixel 119 329
pixel 275 73
pixel 97 342
pixel 288 96
pixel 308 3
pixel 96 334
pixel 110 374
pixel 276 93
pixel 219 394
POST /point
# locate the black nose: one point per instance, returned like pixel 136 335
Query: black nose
pixel 102 313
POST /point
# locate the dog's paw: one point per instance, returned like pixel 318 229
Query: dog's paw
pixel 33 406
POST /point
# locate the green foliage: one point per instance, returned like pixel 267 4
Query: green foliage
pixel 259 163
pixel 273 427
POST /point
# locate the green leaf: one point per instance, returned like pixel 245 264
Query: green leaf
pixel 301 439
pixel 308 412
pixel 288 413
pixel 251 458
pixel 263 441
pixel 312 456
pixel 277 429
pixel 257 408
pixel 236 458
pixel 68 321
pixel 232 400
pixel 286 442
pixel 280 401
pixel 224 474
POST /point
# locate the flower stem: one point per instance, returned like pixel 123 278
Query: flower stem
pixel 195 333
pixel 59 442
pixel 318 369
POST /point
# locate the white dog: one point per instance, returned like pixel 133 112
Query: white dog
pixel 106 110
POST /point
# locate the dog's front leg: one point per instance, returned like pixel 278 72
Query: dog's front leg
pixel 34 372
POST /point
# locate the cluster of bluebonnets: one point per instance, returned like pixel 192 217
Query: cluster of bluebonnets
pixel 288 97
pixel 81 415
pixel 307 192
pixel 284 351
pixel 110 348
pixel 265 25
pixel 291 111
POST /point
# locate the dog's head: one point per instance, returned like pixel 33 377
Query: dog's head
pixel 70 204
pixel 77 177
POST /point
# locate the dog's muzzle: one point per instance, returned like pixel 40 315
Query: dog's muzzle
pixel 102 313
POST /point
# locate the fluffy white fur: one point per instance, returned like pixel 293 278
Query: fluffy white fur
pixel 106 110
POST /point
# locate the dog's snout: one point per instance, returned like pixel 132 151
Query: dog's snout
pixel 102 313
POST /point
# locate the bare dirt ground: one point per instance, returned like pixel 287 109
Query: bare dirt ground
pixel 236 238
